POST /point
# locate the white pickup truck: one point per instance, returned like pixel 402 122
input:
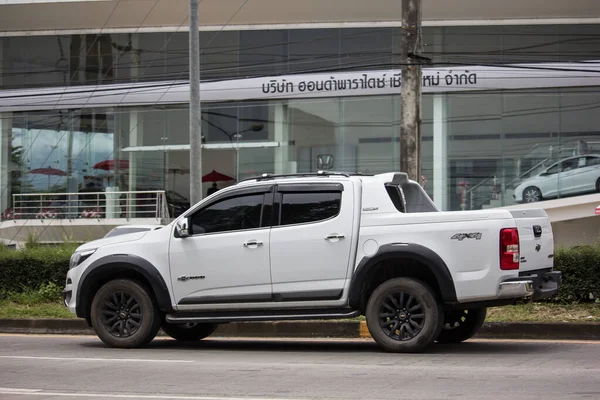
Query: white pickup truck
pixel 315 246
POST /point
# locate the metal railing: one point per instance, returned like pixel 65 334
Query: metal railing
pixel 90 205
pixel 482 192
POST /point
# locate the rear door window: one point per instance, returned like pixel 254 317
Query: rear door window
pixel 309 207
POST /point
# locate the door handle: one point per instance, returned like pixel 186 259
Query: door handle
pixel 252 244
pixel 334 236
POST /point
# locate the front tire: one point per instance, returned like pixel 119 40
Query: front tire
pixel 598 186
pixel 189 332
pixel 404 316
pixel 461 325
pixel 124 314
pixel 532 195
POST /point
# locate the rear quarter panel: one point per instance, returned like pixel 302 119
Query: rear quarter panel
pixel 468 242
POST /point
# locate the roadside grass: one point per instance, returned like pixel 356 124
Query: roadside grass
pixel 545 312
pixel 46 303
pixel 56 310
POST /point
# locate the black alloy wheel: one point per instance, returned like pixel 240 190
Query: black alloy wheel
pixel 401 316
pixel 404 315
pixel 189 332
pixel 121 315
pixel 124 314
pixel 460 325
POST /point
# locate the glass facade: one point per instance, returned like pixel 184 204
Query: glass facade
pixel 80 59
pixel 479 149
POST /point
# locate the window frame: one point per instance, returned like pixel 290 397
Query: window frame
pixel 304 188
pixel 265 190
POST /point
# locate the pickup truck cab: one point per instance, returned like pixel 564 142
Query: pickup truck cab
pixel 315 246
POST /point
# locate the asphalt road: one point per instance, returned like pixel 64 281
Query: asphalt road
pixel 63 367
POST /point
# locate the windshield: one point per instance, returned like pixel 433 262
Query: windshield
pixel 176 196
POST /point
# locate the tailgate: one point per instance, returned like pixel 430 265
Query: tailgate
pixel 536 240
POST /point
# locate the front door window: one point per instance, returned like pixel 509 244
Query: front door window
pixel 234 214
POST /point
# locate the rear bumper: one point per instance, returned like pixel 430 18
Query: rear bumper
pixel 545 283
pixel 516 289
pixel 537 285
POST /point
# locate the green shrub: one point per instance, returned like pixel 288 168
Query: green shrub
pixel 34 267
pixel 46 293
pixel 40 271
pixel 580 267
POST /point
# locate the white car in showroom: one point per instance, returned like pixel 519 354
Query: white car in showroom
pixel 571 176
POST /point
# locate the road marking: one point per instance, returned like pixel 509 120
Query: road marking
pixel 300 340
pixel 47 335
pixel 142 360
pixel 14 390
pixel 38 392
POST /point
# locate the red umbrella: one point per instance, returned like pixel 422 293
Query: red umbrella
pixel 215 176
pixel 48 171
pixel 109 165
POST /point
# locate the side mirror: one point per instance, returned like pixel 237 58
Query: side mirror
pixel 182 228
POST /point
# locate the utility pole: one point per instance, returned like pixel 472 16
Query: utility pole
pixel 195 110
pixel 410 98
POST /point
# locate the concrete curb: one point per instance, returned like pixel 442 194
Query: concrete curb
pixel 321 329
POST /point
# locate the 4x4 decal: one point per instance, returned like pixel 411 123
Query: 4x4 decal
pixel 462 236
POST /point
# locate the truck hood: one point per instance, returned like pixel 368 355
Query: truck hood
pixel 129 237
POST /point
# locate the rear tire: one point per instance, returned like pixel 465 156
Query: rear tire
pixel 404 316
pixel 598 185
pixel 189 332
pixel 124 314
pixel 461 325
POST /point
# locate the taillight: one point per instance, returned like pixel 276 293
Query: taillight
pixel 509 248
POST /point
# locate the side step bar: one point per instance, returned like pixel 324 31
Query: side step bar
pixel 263 315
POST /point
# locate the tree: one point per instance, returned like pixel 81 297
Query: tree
pixel 17 186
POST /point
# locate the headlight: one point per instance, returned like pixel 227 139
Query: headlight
pixel 80 256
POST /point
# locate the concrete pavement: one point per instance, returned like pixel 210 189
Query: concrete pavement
pixel 66 367
pixel 324 329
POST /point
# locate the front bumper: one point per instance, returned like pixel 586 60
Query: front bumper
pixel 537 285
pixel 67 294
pixel 70 291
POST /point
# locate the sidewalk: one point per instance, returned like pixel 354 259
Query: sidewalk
pixel 321 329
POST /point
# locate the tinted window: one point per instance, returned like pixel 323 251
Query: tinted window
pixel 300 208
pixel 231 214
pixel 571 164
pixel 592 161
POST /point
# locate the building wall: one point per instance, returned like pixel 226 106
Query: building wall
pixel 488 139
